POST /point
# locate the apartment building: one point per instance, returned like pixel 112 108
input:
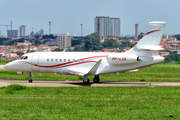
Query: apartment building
pixel 63 40
pixel 23 31
pixel 106 26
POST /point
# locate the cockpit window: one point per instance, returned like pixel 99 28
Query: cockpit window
pixel 23 58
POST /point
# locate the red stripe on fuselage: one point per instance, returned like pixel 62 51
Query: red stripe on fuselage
pixel 151 32
pixel 68 63
pixel 77 63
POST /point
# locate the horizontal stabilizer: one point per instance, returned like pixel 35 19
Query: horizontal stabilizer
pixel 153 48
pixel 135 70
pixel 94 68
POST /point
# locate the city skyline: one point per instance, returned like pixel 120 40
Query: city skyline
pixel 67 16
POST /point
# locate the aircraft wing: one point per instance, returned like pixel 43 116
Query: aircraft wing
pixel 68 71
pixel 94 68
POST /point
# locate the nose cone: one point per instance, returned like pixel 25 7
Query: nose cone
pixel 7 66
pixel 10 66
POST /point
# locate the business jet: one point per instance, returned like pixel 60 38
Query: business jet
pixel 143 54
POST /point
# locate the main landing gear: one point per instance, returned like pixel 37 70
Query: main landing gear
pixel 30 77
pixel 85 79
pixel 95 80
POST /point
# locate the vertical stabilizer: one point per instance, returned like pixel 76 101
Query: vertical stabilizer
pixel 151 40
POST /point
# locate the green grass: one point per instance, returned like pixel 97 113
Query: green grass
pixel 3 62
pixel 160 72
pixel 19 102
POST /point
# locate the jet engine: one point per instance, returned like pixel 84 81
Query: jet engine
pixel 122 58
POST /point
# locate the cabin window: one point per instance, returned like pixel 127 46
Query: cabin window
pixel 47 60
pixel 56 60
pixel 51 60
pixel 78 60
pixel 82 60
pixel 69 60
pixel 64 60
pixel 73 60
pixel 60 60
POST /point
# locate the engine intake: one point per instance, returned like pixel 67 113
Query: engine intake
pixel 122 58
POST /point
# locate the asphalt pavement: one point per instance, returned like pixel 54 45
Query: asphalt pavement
pixel 48 83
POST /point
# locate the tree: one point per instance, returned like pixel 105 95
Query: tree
pixel 14 42
pixel 172 57
pixel 57 49
pixel 37 36
pixel 79 48
pixel 51 36
pixel 92 42
pixel 141 35
pixel 2 41
pixel 177 36
pixel 110 43
pixel 125 42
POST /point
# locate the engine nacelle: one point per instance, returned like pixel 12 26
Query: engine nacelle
pixel 122 58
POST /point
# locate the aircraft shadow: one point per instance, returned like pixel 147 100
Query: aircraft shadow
pixel 107 83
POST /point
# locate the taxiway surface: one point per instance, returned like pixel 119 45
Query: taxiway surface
pixel 48 83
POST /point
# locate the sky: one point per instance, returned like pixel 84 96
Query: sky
pixel 67 15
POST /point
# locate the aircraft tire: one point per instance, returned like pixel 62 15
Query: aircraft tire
pixel 30 81
pixel 86 82
pixel 95 80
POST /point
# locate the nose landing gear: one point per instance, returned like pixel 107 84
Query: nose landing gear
pixel 30 77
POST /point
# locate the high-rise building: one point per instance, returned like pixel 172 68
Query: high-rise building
pixel 23 31
pixel 136 30
pixel 12 33
pixel 106 26
pixel 63 40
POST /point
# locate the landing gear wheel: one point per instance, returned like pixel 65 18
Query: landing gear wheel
pixel 30 78
pixel 96 79
pixel 30 81
pixel 86 81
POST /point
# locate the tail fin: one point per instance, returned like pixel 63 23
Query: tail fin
pixel 151 40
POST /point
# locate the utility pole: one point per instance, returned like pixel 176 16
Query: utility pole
pixel 33 32
pixel 81 30
pixel 11 25
pixel 49 28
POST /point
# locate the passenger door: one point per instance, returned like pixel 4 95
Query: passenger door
pixel 35 63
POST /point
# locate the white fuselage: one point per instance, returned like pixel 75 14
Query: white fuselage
pixel 78 63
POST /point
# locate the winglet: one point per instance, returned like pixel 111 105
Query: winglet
pixel 94 68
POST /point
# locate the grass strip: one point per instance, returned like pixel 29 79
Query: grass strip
pixel 20 102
